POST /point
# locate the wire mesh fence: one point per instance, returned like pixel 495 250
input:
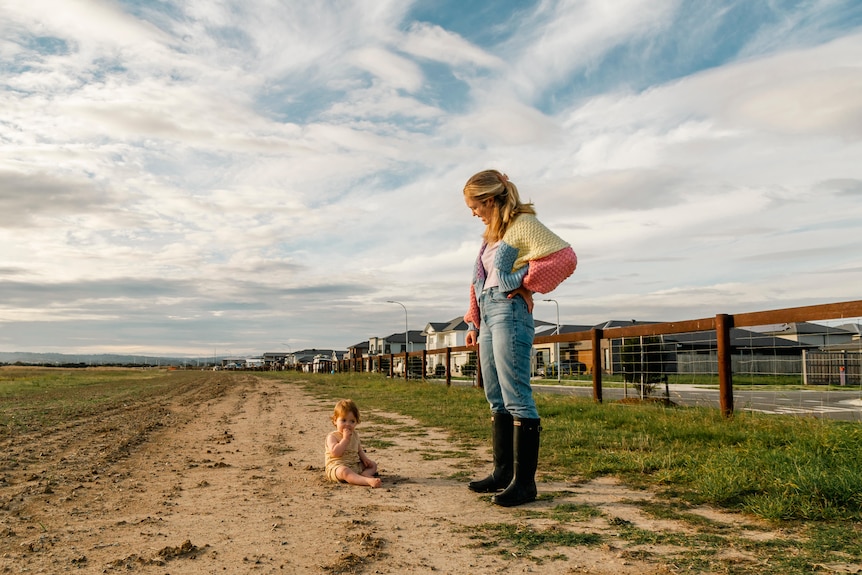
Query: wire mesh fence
pixel 797 361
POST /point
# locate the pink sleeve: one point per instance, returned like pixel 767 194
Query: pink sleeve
pixel 472 315
pixel 546 273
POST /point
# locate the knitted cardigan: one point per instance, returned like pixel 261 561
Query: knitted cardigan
pixel 530 255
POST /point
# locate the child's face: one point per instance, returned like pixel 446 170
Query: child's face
pixel 345 421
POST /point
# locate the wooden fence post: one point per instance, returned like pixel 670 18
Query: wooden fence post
pixel 596 337
pixel 479 382
pixel 448 366
pixel 424 363
pixel 723 323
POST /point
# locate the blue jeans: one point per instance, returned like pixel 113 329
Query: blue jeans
pixel 505 341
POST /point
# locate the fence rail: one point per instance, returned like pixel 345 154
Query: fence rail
pixel 600 350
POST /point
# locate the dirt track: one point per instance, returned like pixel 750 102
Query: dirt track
pixel 224 475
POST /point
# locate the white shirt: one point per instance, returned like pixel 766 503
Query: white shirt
pixel 492 279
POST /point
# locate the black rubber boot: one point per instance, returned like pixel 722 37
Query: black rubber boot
pixel 523 487
pixel 501 439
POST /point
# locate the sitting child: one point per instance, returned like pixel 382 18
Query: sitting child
pixel 346 461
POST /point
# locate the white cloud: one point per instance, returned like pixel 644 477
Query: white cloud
pixel 89 22
pixel 563 36
pixel 434 43
pixel 389 68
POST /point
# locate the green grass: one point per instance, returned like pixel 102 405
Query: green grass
pixel 776 468
pixel 525 538
pixel 803 476
pixel 37 397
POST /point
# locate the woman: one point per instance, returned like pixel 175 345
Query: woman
pixel 519 256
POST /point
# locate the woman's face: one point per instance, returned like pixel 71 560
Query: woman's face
pixel 482 209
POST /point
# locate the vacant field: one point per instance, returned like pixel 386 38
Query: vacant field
pixel 214 472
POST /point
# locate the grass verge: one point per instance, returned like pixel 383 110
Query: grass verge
pixel 801 475
pixel 773 467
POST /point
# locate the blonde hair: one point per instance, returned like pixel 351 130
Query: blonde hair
pixel 491 184
pixel 344 407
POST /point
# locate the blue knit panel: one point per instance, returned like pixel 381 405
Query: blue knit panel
pixel 506 256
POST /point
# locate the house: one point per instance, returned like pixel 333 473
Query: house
pixel 255 363
pixel 358 350
pixel 233 363
pixel 810 333
pixel 574 357
pixel 318 360
pixel 853 328
pixel 394 343
pixel 440 335
pixel 612 349
pixel 751 352
pixel 278 360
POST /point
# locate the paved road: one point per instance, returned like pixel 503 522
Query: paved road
pixel 842 405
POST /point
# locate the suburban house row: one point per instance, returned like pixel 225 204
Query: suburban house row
pixel 789 348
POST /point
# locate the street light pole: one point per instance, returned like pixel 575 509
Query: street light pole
pixel 289 354
pixel 406 332
pixel 557 344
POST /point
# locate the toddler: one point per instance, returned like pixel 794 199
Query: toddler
pixel 346 461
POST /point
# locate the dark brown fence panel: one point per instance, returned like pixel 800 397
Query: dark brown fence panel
pixel 832 368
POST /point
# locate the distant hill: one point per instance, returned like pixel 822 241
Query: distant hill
pixel 29 358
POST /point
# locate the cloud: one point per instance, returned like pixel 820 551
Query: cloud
pixel 240 173
pixel 90 22
pixel 389 68
pixel 27 199
pixel 632 190
pixel 560 38
pixel 432 42
pixel 814 92
pixel 841 186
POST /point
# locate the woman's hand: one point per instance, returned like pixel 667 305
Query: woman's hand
pixel 524 293
pixel 470 340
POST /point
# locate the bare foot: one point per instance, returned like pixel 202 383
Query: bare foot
pixel 374 482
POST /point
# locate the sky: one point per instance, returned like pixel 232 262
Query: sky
pixel 248 176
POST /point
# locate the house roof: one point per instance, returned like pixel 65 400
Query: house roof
pixel 552 329
pixel 851 327
pixel 854 346
pixel 435 326
pixel 622 323
pixel 308 355
pixel 413 336
pixel 805 328
pixel 454 324
pixel 739 339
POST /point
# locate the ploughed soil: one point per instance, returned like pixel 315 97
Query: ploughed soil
pixel 224 474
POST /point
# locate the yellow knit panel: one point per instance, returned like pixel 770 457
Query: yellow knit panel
pixel 532 240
